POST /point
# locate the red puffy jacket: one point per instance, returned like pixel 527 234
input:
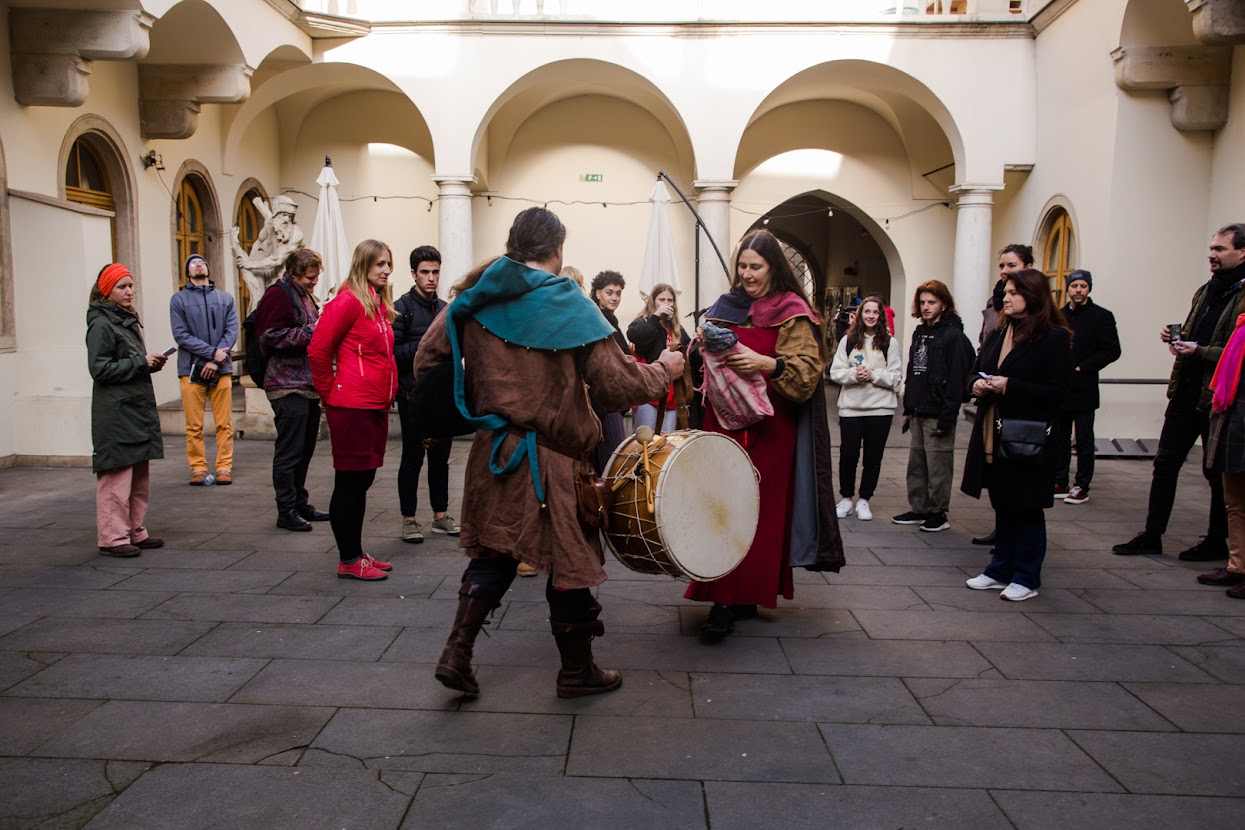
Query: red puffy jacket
pixel 362 348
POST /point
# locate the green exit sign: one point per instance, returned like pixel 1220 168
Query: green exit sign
pixel 592 177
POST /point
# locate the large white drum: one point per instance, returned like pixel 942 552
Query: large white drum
pixel 687 507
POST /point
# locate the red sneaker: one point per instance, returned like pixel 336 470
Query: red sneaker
pixel 376 563
pixel 360 569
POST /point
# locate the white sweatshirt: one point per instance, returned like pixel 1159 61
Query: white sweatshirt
pixel 877 395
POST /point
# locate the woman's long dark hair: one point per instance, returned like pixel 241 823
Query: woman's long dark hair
pixel 767 246
pixel 856 333
pixel 1041 313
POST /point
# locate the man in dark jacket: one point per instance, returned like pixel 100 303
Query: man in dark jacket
pixel 1211 320
pixel 284 322
pixel 939 360
pixel 1095 345
pixel 205 327
pixel 416 310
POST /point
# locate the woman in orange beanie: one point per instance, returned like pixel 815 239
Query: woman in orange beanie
pixel 125 427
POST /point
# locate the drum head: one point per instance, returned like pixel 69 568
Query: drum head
pixel 708 505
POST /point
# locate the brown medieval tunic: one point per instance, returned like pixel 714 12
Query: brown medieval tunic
pixel 539 390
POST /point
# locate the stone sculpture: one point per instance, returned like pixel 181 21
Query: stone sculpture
pixel 279 237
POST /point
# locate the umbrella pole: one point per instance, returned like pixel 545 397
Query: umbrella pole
pixel 700 225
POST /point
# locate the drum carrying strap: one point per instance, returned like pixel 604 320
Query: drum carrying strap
pixel 682 397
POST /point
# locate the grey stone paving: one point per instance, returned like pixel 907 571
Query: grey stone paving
pixel 231 680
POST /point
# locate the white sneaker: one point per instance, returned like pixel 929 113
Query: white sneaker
pixel 981 582
pixel 1017 593
pixel 863 512
pixel 843 509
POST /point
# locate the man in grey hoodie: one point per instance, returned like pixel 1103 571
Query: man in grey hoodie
pixel 205 326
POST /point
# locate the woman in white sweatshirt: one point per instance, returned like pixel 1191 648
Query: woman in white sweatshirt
pixel 867 368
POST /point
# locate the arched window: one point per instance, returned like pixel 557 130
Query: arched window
pixel 190 229
pixel 800 265
pixel 1059 254
pixel 249 224
pixel 86 182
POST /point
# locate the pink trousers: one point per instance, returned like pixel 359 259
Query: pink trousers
pixel 121 498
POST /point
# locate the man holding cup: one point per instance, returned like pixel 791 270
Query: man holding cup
pixel 1197 348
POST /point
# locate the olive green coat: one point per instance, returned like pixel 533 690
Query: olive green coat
pixel 125 426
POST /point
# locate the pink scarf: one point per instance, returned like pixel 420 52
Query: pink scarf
pixel 1227 376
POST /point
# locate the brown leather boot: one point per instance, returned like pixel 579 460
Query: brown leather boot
pixel 580 676
pixel 475 603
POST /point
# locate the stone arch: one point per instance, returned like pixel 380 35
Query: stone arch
pixel 213 228
pixel 923 122
pixel 191 31
pixel 547 84
pixel 112 152
pixel 1156 23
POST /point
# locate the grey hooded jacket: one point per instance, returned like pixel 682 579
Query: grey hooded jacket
pixel 203 320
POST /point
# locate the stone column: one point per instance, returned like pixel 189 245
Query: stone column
pixel 714 205
pixel 454 229
pixel 974 254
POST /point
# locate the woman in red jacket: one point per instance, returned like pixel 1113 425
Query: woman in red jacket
pixel 352 366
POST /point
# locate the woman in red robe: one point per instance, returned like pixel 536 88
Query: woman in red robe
pixel 768 311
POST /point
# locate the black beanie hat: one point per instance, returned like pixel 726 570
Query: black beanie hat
pixel 189 259
pixel 1082 275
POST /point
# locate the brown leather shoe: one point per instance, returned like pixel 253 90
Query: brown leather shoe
pixel 475 603
pixel 580 676
pixel 224 478
pixel 150 542
pixel 1222 576
pixel 1236 593
pixel 121 551
pixel 198 479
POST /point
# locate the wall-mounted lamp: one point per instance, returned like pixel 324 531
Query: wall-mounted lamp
pixel 152 159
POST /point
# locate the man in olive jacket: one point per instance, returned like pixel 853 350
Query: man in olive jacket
pixel 1095 345
pixel 1211 320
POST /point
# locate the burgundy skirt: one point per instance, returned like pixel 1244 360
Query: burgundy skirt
pixel 357 437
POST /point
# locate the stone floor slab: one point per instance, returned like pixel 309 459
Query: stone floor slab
pixel 914 576
pixel 64 602
pixel 766 697
pixel 960 598
pixel 882 658
pixel 746 806
pixel 208 679
pixel 460 742
pixel 86 577
pixel 515 802
pixel 229 581
pixel 399 585
pixel 1225 663
pixel 784 621
pixel 1049 704
pixel 531 690
pixel 1195 708
pixel 243 608
pixel 1060 811
pixel 1076 661
pixel 296 642
pixel 105 636
pixel 17 666
pixel 412 611
pixel 1169 764
pixel 82 789
pixel 223 733
pixel 674 748
pixel 28 722
pixel 941 756
pixel 1133 628
pixel 621 617
pixel 950 625
pixel 347 683
pixel 1207 601
pixel 209 796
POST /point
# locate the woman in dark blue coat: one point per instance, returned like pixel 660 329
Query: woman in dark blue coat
pixel 1022 373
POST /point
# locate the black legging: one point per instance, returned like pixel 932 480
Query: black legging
pixel 346 511
pixel 872 431
pixel 567 605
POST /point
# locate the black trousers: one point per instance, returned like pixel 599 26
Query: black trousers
pixel 1182 425
pixel 565 605
pixel 1061 435
pixel 298 423
pixel 871 431
pixel 413 452
pixel 347 509
pixel 1019 547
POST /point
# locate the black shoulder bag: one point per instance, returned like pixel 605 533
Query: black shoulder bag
pixel 1020 441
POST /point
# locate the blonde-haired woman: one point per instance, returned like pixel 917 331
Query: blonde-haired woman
pixel 355 376
pixel 656 329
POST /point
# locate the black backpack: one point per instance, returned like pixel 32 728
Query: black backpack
pixel 256 357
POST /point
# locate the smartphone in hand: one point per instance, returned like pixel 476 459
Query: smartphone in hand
pixel 984 376
pixel 169 351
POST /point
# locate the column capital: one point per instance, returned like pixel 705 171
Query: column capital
pixel 967 188
pixel 465 180
pixel 715 184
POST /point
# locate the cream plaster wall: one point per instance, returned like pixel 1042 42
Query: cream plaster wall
pixel 591 134
pixel 1227 184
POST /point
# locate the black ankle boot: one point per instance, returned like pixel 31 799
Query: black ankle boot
pixel 720 623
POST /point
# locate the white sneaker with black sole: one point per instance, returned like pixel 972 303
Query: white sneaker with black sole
pixel 909 518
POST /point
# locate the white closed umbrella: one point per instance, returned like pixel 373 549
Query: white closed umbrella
pixel 659 260
pixel 328 236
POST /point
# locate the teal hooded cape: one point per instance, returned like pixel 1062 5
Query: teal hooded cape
pixel 527 307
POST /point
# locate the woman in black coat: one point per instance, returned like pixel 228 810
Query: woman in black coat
pixel 1022 373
